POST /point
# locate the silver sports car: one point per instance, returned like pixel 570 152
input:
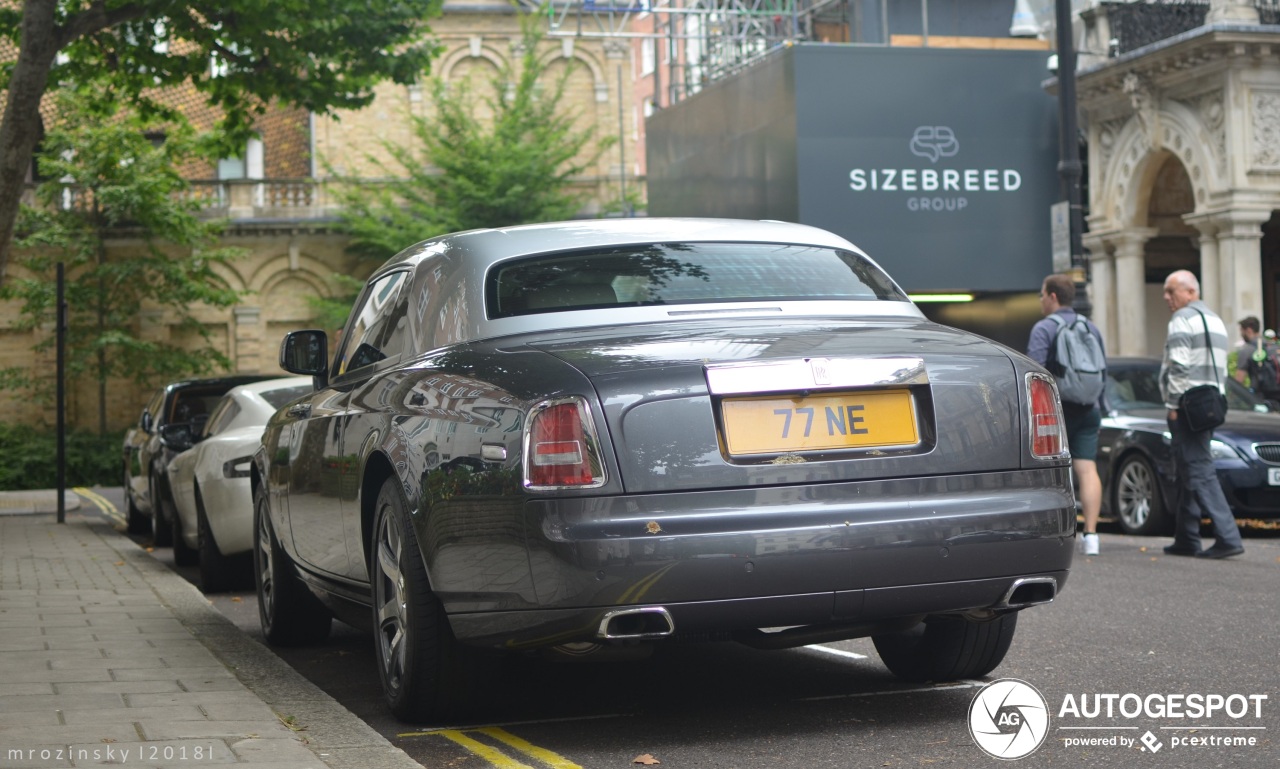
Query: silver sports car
pixel 598 433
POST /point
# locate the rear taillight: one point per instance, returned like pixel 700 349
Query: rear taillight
pixel 561 447
pixel 1048 433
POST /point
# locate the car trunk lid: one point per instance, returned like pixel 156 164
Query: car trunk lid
pixel 704 406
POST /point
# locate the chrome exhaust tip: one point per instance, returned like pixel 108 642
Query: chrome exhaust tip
pixel 636 624
pixel 1029 591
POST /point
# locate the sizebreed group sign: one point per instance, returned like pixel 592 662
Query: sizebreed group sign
pixel 940 163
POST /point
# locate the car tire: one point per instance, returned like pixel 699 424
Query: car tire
pixel 1135 498
pixel 218 573
pixel 135 521
pixel 947 648
pixel 289 613
pixel 161 527
pixel 426 674
pixel 183 554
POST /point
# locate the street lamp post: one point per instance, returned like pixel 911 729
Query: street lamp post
pixel 1069 167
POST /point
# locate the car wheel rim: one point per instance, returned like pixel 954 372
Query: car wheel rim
pixel 266 585
pixel 1135 491
pixel 390 600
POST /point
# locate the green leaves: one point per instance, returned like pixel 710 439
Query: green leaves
pixel 494 159
pixel 111 175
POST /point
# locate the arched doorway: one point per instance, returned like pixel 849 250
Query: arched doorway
pixel 1174 244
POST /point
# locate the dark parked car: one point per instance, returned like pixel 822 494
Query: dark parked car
pixel 1134 461
pixel 166 426
pixel 600 433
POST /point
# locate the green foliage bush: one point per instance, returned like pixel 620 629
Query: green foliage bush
pixel 28 458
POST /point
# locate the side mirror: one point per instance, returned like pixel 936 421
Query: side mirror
pixel 305 352
pixel 177 436
pixel 145 422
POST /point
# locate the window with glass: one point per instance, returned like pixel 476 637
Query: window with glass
pixel 377 321
pixel 683 273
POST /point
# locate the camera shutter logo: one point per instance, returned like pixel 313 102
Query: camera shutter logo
pixel 1008 719
pixel 934 142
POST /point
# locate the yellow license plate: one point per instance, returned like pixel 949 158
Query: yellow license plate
pixel 777 425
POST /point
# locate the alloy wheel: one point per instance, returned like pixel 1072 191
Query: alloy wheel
pixel 390 599
pixel 266 591
pixel 1135 490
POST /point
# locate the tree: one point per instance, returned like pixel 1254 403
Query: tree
pixel 106 177
pixel 467 170
pixel 239 54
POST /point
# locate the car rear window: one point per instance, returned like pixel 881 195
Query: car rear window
pixel 683 273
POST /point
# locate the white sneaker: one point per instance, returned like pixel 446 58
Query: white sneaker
pixel 1089 544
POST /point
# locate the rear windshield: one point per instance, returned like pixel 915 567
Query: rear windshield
pixel 683 273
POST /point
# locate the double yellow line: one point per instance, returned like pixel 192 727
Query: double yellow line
pixel 102 503
pixel 494 755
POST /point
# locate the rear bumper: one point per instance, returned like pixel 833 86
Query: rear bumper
pixel 765 557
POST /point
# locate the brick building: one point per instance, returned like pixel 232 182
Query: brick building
pixel 280 209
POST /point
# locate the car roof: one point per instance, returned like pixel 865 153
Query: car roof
pixel 228 381
pixel 486 247
pixel 278 383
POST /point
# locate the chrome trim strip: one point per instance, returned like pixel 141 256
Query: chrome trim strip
pixel 805 374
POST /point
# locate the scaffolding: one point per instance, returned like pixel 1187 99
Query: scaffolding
pixel 701 40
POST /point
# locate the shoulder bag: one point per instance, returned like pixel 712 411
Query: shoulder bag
pixel 1204 407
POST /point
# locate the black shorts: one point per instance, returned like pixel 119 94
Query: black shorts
pixel 1082 423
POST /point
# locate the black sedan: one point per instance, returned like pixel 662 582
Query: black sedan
pixel 1136 464
pixel 598 434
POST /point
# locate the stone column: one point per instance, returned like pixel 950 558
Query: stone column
pixel 1102 286
pixel 1215 276
pixel 1240 251
pixel 248 340
pixel 1131 290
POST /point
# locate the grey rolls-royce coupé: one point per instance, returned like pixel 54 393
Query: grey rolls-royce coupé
pixel 636 431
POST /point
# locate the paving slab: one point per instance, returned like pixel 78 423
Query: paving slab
pixel 105 650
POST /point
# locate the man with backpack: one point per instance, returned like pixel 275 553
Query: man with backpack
pixel 1070 346
pixel 1257 362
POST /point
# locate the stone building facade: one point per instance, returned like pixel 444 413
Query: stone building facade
pixel 283 213
pixel 1184 168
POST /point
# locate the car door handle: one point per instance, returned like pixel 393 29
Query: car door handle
pixel 299 411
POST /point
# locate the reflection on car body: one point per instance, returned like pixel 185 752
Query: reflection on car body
pixel 530 437
pixel 1136 464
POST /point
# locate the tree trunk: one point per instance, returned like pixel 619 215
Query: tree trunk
pixel 20 129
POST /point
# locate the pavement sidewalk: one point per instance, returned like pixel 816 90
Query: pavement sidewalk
pixel 107 657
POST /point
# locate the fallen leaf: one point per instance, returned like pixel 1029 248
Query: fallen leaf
pixel 645 759
pixel 150 549
pixel 119 563
pixel 236 599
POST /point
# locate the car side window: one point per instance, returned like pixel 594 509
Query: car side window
pixel 375 332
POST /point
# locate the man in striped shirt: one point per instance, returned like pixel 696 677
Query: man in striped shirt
pixel 1192 358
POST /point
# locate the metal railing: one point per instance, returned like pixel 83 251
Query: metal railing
pixel 1137 24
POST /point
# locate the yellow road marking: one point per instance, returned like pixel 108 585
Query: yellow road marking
pixel 101 502
pixel 552 760
pixel 494 756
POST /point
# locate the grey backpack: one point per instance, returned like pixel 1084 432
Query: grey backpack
pixel 1076 359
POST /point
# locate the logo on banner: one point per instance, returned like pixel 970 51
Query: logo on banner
pixel 934 142
pixel 1008 719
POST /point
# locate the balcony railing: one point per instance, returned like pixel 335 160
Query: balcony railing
pixel 1137 24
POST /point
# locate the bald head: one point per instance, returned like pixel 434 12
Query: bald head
pixel 1181 289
